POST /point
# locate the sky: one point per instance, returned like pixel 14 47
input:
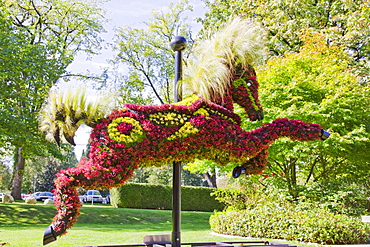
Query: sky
pixel 122 13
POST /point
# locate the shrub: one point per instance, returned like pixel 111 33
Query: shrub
pixel 151 196
pixel 314 225
pixel 233 198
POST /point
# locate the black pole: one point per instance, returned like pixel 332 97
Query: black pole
pixel 178 44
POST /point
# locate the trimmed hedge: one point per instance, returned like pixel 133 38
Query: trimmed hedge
pixel 150 196
pixel 315 225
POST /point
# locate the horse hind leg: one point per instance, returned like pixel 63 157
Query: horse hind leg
pixel 254 165
pixel 88 175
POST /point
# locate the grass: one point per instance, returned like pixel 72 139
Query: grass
pixel 23 225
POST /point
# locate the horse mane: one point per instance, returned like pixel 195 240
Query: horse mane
pixel 239 43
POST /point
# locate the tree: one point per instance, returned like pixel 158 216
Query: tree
pixel 163 175
pixel 344 22
pixel 40 171
pixel 317 85
pixel 323 80
pixel 44 35
pixel 147 54
pixel 150 61
pixel 4 176
pixel 209 170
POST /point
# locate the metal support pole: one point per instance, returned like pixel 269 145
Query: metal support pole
pixel 176 205
pixel 178 44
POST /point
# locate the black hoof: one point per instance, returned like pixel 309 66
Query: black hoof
pixel 238 171
pixel 325 135
pixel 49 235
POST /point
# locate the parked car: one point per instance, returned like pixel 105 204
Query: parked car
pixel 81 198
pixel 92 195
pixel 42 196
pixel 1 196
pixel 23 196
pixel 106 200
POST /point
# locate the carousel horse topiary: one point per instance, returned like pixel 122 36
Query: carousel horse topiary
pixel 203 126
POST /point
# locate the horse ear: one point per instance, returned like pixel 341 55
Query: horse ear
pixel 69 139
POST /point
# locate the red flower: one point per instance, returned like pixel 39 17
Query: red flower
pixel 124 128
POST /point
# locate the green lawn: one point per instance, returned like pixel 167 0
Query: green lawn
pixel 24 225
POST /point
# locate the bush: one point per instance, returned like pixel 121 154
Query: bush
pixel 314 225
pixel 151 196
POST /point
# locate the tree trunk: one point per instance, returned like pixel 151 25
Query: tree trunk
pixel 18 172
pixel 211 180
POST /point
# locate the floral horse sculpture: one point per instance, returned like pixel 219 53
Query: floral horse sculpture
pixel 203 126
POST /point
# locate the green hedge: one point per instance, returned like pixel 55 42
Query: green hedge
pixel 149 196
pixel 315 225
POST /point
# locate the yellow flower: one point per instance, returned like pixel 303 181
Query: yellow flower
pixel 186 130
pixel 202 111
pixel 188 101
pixel 136 134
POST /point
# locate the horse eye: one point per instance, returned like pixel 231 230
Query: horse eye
pixel 249 83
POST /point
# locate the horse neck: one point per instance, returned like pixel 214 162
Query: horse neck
pixel 225 101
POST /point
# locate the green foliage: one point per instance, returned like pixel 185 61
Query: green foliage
pixel 344 22
pixel 160 197
pixel 5 176
pixel 147 53
pixel 163 176
pixel 65 26
pixel 233 198
pixel 25 79
pixel 316 85
pixel 44 37
pixel 340 197
pixel 45 169
pixel 38 40
pixel 203 166
pixel 307 224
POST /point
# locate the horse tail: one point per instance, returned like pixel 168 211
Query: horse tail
pixel 67 108
pixel 90 175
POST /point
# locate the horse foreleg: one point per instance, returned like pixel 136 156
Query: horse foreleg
pixel 295 130
pixel 88 175
pixel 254 165
pixel 262 138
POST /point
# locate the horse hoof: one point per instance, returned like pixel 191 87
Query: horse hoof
pixel 324 135
pixel 238 171
pixel 49 235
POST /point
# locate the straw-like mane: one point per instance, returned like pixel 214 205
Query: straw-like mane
pixel 238 44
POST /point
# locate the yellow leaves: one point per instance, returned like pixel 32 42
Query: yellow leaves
pixel 186 130
pixel 188 101
pixel 202 111
pixel 168 118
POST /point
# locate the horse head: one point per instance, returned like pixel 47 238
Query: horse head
pixel 244 92
pixel 222 71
